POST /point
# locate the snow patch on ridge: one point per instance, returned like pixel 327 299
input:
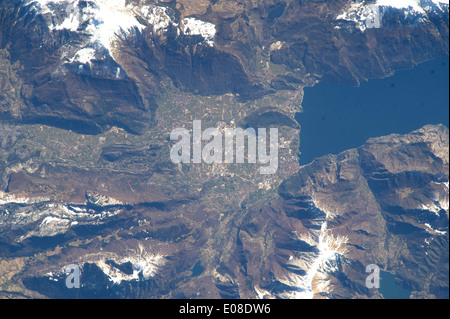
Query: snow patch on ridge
pixel 316 280
pixel 433 231
pixel 415 5
pixel 103 21
pixel 159 18
pixel 144 265
pixel 366 16
pixel 12 199
pixel 192 26
pixel 84 56
pixel 50 219
pixel 318 264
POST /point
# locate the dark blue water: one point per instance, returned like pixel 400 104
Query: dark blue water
pixel 337 117
pixel 390 289
pixel 197 270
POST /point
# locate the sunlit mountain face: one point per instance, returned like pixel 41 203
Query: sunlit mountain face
pixel 102 24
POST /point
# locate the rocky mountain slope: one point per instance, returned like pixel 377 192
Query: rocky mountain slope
pixel 385 203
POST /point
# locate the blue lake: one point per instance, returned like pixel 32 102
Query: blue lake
pixel 390 289
pixel 338 117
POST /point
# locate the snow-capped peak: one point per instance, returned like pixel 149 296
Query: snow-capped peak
pixel 416 5
pixel 366 16
pixel 103 20
pixel 100 20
